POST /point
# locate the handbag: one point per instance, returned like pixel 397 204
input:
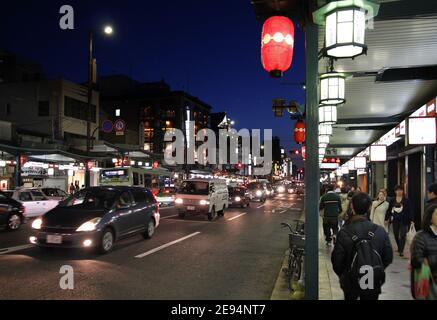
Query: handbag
pixel 425 287
pixel 411 233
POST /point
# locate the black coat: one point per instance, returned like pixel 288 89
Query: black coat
pixel 425 246
pixel 405 216
pixel 342 255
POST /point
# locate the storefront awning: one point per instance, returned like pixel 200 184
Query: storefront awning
pixel 53 158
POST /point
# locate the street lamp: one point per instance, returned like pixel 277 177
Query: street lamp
pixel 325 129
pixel 332 88
pixel 108 30
pixel 345 25
pixel 328 114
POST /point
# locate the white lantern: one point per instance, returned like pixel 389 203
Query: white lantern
pixel 324 139
pixel 328 114
pixel 322 151
pixel 332 88
pixel 325 129
pixel 323 145
pixel 345 26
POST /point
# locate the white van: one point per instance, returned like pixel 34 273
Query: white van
pixel 202 196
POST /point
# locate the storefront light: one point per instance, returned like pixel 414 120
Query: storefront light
pixel 345 26
pixel 328 114
pixel 51 172
pixel 2 163
pixel 70 173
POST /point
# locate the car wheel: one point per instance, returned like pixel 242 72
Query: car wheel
pixel 14 222
pixel 181 215
pixel 150 231
pixel 106 241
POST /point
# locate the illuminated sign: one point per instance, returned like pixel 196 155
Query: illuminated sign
pixel 422 131
pixel 378 153
pixel 328 165
pixel 360 162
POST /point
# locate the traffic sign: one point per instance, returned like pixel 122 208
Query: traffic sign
pixel 107 126
pixel 120 125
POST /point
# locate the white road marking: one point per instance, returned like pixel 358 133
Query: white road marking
pixel 17 248
pixel 296 209
pixel 236 217
pixel 283 211
pixel 145 254
pixel 168 217
pixel 261 206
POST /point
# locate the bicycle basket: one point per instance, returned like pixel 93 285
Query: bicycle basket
pixel 297 240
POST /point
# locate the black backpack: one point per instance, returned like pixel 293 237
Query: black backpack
pixel 365 257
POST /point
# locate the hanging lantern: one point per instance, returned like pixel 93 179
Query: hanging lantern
pixel 328 114
pixel 324 139
pixel 325 129
pixel 299 132
pixel 277 45
pixel 322 151
pixel 345 26
pixel 332 88
pixel 323 145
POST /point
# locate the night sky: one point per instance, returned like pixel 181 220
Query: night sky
pixel 209 48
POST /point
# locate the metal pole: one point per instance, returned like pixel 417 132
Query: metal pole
pixel 312 166
pixel 90 96
pixel 17 175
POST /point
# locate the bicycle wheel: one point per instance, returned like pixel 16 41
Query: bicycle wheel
pixel 294 270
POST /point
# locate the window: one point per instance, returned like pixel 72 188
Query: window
pixel 25 196
pixel 117 112
pixel 141 179
pixel 139 196
pixel 135 174
pixel 8 109
pixel 38 195
pixel 43 109
pixel 124 200
pixel 78 109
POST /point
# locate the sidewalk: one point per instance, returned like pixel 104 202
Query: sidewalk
pixel 397 286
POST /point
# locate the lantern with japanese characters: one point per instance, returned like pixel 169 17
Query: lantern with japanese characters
pixel 299 132
pixel 277 45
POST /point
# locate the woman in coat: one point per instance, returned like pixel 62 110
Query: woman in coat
pixel 399 213
pixel 425 243
pixel 379 210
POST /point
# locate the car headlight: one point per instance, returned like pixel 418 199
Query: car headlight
pixel 237 199
pixel 281 189
pixel 268 192
pixel 37 223
pixel 179 201
pixel 204 202
pixel 259 193
pixel 89 225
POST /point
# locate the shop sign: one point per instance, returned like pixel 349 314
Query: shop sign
pixel 422 131
pixel 378 153
pixel 33 171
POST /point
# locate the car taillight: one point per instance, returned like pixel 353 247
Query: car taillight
pixel 22 210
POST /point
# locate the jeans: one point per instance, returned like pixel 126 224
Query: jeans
pixel 400 232
pixel 328 225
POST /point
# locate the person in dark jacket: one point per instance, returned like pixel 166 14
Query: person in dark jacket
pixel 400 214
pixel 432 195
pixel 425 243
pixel 330 203
pixel 342 254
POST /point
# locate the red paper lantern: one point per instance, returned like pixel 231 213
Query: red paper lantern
pixel 299 132
pixel 277 45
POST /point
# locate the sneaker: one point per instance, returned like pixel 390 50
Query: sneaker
pixel 401 254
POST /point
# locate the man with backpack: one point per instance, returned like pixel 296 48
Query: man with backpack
pixel 362 253
pixel 330 205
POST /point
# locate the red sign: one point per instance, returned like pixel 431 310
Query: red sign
pixel 120 125
pixel 155 164
pixel 304 152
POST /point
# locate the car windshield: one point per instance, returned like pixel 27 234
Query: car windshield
pixel 194 187
pixel 236 191
pixel 254 185
pixel 91 199
pixel 38 195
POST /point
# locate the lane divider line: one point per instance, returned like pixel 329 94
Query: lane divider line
pixel 17 248
pixel 145 254
pixel 236 217
pixel 261 206
pixel 168 217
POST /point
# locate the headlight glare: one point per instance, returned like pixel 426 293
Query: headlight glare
pixel 89 225
pixel 37 223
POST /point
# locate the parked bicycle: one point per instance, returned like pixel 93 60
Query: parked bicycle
pixel 296 252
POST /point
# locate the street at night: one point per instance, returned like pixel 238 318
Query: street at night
pixel 235 257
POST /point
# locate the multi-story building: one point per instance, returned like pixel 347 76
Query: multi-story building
pixel 149 109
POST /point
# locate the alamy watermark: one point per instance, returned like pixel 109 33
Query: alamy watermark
pixel 230 147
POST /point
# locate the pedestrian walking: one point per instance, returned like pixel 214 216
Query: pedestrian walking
pixel 344 206
pixel 400 215
pixel 71 189
pixel 432 195
pixel 361 244
pixel 424 256
pixel 379 210
pixel 76 186
pixel 330 203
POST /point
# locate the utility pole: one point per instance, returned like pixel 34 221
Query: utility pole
pixel 312 193
pixel 90 97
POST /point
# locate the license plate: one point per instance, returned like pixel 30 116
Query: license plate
pixel 190 208
pixel 54 239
